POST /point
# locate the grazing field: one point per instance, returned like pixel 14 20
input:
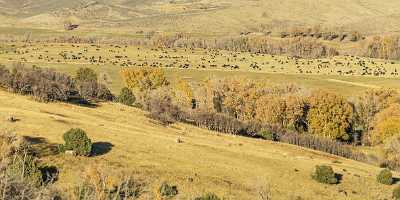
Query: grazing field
pixel 232 167
pixel 344 74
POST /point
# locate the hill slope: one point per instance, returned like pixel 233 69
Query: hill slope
pixel 233 167
pixel 208 16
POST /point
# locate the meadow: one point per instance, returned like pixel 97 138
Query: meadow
pixel 347 75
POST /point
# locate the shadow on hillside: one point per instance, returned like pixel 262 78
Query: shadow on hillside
pixel 101 148
pixel 339 177
pixel 41 146
pixel 396 180
pixel 83 103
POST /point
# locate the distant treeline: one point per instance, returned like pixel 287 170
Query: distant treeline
pixel 304 44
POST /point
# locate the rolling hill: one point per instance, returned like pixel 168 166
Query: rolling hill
pixel 206 16
pixel 232 167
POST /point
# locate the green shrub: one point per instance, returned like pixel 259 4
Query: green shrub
pixel 396 193
pixel 86 75
pixel 208 196
pixel 25 167
pixel 77 140
pixel 325 174
pixel 385 177
pixel 167 190
pixel 126 97
pixel 267 135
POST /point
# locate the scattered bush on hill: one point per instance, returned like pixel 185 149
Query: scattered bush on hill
pixel 20 176
pixel 267 135
pixel 208 196
pixel 126 97
pixel 325 174
pixel 76 140
pixel 167 191
pixel 97 184
pixel 385 177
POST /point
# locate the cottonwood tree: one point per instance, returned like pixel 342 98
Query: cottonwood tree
pixel 330 115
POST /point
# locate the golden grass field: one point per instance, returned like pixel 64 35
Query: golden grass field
pixel 232 167
pixel 342 74
pixel 203 16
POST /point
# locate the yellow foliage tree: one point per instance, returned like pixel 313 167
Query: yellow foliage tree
pixel 285 111
pixel 386 124
pixel 372 102
pixel 144 79
pixel 184 93
pixel 330 115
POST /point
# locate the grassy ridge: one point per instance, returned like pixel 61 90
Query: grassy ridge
pixel 208 16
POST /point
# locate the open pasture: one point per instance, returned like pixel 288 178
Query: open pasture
pixel 346 74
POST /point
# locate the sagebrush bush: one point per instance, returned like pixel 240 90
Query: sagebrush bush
pixel 208 196
pixel 77 140
pixel 167 190
pixel 268 135
pixel 325 174
pixel 396 193
pixel 385 177
pixel 24 166
pixel 126 97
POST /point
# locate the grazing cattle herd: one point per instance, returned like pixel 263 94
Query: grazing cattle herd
pixel 111 55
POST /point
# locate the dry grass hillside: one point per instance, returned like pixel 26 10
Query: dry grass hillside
pixel 232 167
pixel 206 16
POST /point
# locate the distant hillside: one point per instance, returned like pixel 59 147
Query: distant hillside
pixel 208 16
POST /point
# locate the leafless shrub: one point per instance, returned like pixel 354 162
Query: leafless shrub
pixel 161 107
pixel 321 144
pixel 44 84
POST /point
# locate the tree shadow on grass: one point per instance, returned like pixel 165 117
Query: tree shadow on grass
pixel 101 148
pixel 396 180
pixel 49 174
pixel 41 146
pixel 339 177
pixel 83 103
